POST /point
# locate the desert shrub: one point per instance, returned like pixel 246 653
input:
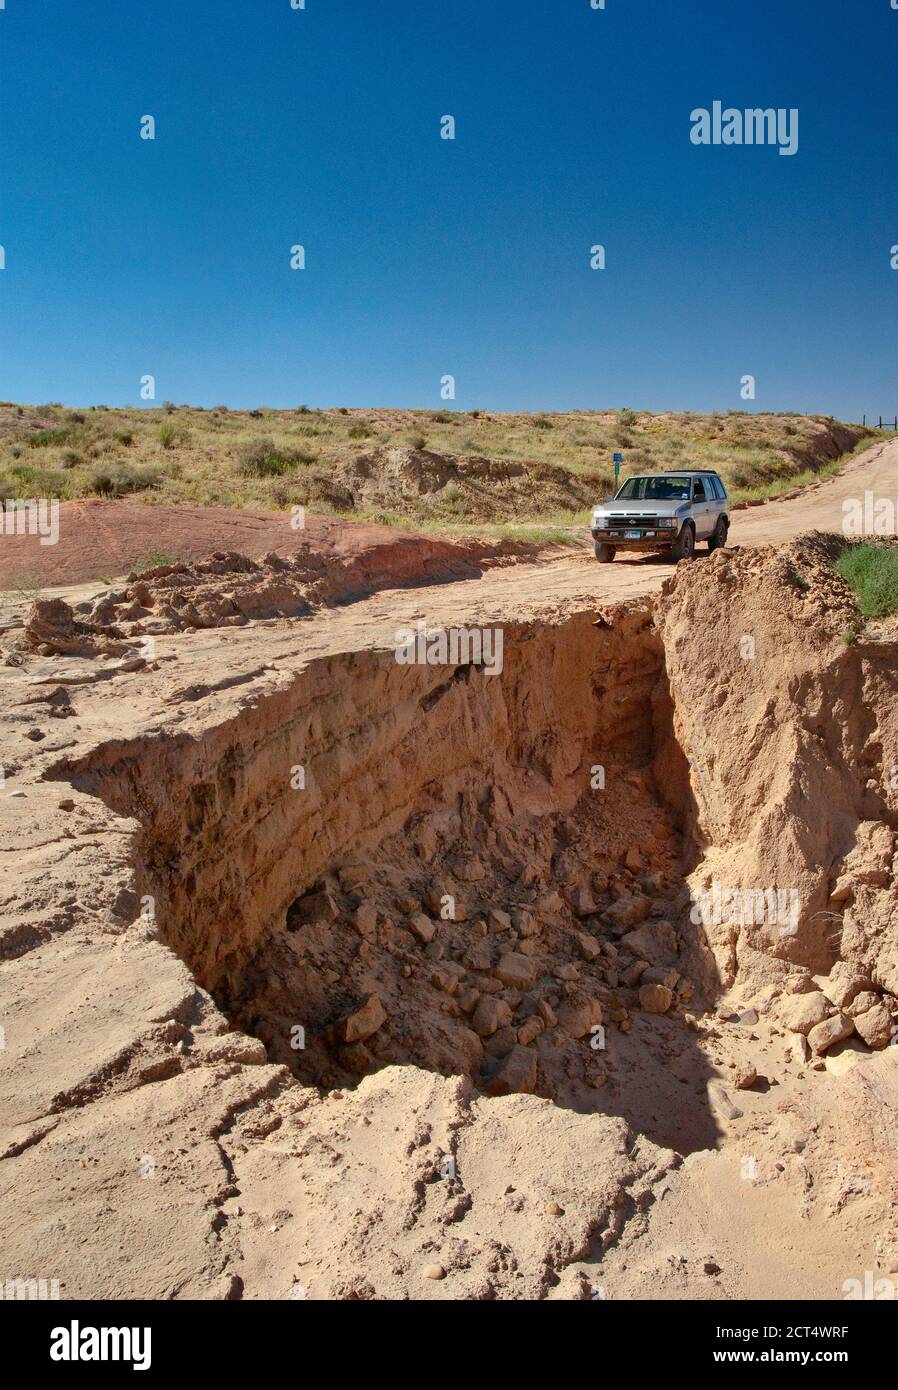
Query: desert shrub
pixel 168 434
pixel 153 561
pixel 626 417
pixel 359 430
pixel 453 500
pixel 119 482
pixel 871 571
pixel 52 439
pixel 542 422
pixel 418 441
pixel 259 458
pixel 262 458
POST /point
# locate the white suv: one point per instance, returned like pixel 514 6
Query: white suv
pixel 663 511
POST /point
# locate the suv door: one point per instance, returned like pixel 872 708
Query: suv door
pixel 720 491
pixel 702 511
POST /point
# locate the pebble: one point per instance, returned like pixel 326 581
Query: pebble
pixel 655 999
pixel 721 1102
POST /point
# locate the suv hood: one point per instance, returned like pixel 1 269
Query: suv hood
pixel 625 508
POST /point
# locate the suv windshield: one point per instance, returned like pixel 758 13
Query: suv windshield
pixel 655 489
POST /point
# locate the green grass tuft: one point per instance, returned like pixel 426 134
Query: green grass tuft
pixel 871 571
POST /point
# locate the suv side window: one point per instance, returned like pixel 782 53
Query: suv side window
pixel 698 491
pixel 717 488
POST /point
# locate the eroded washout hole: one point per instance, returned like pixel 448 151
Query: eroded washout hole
pixel 482 873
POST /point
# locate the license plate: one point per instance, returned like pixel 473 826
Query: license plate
pixel 632 535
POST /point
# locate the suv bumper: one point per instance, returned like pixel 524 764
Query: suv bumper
pixel 649 539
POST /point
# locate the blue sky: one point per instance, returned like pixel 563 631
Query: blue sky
pixel 427 257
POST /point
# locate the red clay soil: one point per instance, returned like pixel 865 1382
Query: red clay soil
pixel 99 539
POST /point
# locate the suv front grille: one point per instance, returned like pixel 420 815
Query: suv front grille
pixel 632 523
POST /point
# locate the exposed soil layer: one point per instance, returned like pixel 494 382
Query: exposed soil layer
pixel 482 900
pixel 391 975
pixel 100 539
pixel 400 479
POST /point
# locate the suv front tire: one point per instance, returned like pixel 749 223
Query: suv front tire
pixel 683 547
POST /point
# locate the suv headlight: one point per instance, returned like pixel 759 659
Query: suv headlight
pixel 668 523
pixel 599 519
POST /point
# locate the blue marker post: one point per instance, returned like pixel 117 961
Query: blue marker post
pixel 618 460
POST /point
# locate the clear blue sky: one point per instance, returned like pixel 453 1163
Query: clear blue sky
pixel 427 257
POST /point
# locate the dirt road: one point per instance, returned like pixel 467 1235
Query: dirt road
pixel 105 538
pixel 577 576
pixel 572 577
pixel 528 590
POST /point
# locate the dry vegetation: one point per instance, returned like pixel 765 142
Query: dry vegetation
pixel 556 464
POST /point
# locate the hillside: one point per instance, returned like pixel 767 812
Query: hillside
pixel 437 470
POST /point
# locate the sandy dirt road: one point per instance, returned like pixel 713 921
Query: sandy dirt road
pixel 236 664
pixel 251 657
pixel 578 576
pixel 574 578
pixel 105 538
